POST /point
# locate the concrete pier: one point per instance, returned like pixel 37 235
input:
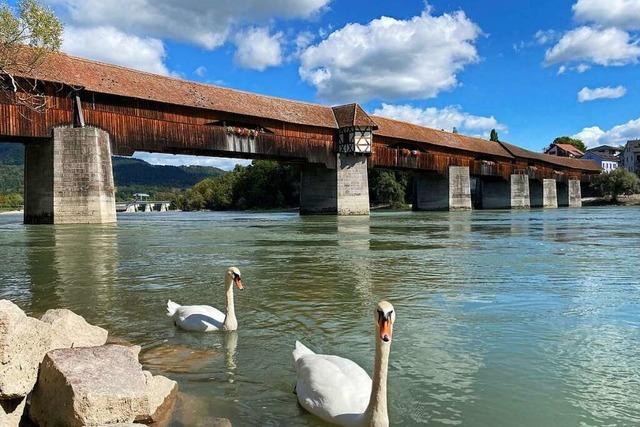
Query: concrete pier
pixel 520 197
pixel 69 179
pixel 342 191
pixel 443 192
pixel 543 193
pixel 570 194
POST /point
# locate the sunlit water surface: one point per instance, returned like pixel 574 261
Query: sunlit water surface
pixel 504 318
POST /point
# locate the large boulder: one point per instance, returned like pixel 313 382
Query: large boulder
pixel 97 385
pixel 23 343
pixel 11 411
pixel 71 330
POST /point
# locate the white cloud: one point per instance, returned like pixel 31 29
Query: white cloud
pixel 581 68
pixel 257 49
pixel 110 45
pixel 545 36
pixel 303 40
pixel 390 58
pixel 205 23
pixel 200 71
pixel 622 14
pixel 617 135
pixel 587 94
pixel 445 118
pixel 180 159
pixel 608 47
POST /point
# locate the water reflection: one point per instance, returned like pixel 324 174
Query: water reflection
pixel 505 318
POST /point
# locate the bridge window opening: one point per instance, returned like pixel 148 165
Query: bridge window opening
pixel 355 139
pixel 239 127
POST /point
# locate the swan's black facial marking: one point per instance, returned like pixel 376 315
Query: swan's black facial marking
pixel 384 316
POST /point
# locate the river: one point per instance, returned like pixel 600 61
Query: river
pixel 528 318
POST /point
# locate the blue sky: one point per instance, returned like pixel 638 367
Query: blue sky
pixel 533 70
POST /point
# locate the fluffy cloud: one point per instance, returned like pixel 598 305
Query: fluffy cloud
pixel 113 46
pixel 446 118
pixel 257 49
pixel 623 14
pixel 617 135
pixel 180 159
pixel 390 58
pixel 545 36
pixel 587 94
pixel 609 46
pixel 204 23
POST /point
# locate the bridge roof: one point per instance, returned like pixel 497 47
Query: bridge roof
pixel 113 79
pixel 566 162
pixel 414 133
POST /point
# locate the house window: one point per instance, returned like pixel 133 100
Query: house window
pixel 355 139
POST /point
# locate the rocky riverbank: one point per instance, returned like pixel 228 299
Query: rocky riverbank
pixel 632 200
pixel 59 371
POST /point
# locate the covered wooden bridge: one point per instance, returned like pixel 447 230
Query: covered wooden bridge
pixel 94 110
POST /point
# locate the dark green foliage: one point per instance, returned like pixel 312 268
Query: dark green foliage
pixel 389 187
pixel 11 200
pixel 616 183
pixel 135 172
pixel 494 136
pixel 571 141
pixel 261 185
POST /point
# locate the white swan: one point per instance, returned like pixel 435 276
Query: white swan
pixel 338 390
pixel 204 318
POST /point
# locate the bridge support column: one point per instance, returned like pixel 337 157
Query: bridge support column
pixel 69 179
pixel 443 192
pixel 342 191
pixel 570 194
pixel 543 193
pixel 501 194
pixel 520 195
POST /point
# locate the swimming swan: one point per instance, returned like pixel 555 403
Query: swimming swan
pixel 204 318
pixel 338 390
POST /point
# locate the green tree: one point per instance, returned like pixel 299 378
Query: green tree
pixel 494 136
pixel 616 183
pixel 388 187
pixel 27 34
pixel 571 141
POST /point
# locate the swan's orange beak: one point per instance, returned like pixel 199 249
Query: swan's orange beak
pixel 385 329
pixel 238 281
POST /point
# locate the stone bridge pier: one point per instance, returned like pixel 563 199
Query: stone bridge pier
pixel 343 190
pixel 543 193
pixel 451 191
pixel 570 194
pixel 497 193
pixel 68 179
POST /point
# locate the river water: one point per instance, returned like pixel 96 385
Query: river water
pixel 528 318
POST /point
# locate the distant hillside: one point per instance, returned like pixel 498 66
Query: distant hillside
pixel 130 175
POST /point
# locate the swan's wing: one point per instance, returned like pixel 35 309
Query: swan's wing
pixel 300 351
pixel 332 388
pixel 199 318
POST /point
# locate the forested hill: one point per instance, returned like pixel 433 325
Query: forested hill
pixel 131 175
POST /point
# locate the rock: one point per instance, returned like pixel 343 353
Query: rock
pixel 161 394
pixel 23 343
pixel 71 330
pixel 96 386
pixel 11 411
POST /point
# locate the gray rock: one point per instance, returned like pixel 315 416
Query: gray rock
pixel 96 386
pixel 23 343
pixel 161 394
pixel 11 411
pixel 71 330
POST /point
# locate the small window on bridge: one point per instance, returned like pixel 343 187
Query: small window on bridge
pixel 355 139
pixel 235 124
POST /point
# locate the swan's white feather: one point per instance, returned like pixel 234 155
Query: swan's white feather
pixel 202 318
pixel 331 387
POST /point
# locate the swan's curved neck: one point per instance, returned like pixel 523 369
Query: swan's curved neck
pixel 376 414
pixel 230 321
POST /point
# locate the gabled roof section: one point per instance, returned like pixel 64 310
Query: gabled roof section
pixel 566 162
pixel 352 115
pixel 410 132
pixel 116 80
pixel 570 149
